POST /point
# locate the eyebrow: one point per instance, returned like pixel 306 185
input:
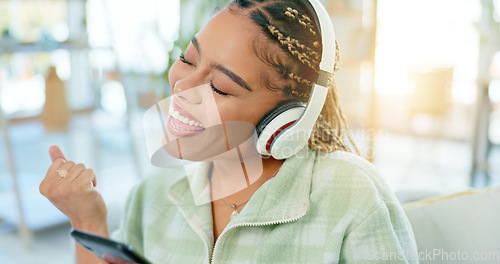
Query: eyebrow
pixel 233 76
pixel 237 79
pixel 196 45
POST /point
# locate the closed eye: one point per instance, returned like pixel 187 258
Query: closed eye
pixel 217 90
pixel 183 60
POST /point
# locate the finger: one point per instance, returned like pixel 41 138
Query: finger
pixel 87 176
pixel 55 166
pixel 65 166
pixel 76 170
pixel 115 260
pixel 56 153
pixel 53 177
pixel 50 176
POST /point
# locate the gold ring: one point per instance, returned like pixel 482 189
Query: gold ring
pixel 62 173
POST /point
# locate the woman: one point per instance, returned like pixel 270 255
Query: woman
pixel 322 205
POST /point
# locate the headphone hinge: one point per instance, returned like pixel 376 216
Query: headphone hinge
pixel 324 78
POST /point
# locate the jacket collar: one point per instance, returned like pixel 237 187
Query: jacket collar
pixel 278 200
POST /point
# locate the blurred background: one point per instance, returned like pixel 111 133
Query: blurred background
pixel 419 81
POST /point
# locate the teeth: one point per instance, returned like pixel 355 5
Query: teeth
pixel 173 124
pixel 185 120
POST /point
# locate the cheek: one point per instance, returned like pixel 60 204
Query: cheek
pixel 230 111
pixel 226 111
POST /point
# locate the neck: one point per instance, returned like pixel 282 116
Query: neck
pixel 236 182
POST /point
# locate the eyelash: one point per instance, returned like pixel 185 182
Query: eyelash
pixel 217 90
pixel 183 60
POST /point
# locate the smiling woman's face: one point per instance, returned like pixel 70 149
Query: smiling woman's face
pixel 219 79
pixel 222 55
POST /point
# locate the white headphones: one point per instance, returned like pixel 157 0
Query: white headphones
pixel 285 130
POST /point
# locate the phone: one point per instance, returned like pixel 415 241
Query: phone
pixel 102 246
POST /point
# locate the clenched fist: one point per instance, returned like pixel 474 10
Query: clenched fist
pixel 72 189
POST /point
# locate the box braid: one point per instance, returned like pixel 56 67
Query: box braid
pixel 288 24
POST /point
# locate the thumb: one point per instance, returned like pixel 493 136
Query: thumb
pixel 56 153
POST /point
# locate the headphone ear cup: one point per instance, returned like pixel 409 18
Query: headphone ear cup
pixel 275 122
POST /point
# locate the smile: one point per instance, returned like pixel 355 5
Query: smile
pixel 182 124
pixel 184 119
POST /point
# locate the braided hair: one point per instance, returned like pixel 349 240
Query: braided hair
pixel 289 25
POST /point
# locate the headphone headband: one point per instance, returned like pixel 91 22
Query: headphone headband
pixel 286 138
pixel 325 27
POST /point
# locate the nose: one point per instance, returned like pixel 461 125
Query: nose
pixel 183 90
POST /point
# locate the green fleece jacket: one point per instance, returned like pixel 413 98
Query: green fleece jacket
pixel 319 208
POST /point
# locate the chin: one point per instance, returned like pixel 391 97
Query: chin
pixel 199 145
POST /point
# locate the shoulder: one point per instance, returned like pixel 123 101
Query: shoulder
pixel 360 207
pixel 350 181
pixel 345 169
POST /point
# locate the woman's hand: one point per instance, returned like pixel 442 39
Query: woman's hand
pixel 72 189
pixel 112 260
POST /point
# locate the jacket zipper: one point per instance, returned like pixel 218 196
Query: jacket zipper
pixel 253 224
